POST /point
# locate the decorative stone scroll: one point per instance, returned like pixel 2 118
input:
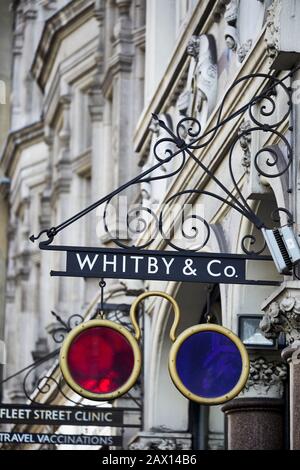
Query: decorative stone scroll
pixel 266 379
pixel 282 316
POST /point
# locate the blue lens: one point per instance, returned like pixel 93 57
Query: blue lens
pixel 209 364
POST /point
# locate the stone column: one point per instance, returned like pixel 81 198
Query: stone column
pixel 18 41
pixel 123 93
pixel 255 420
pixel 60 197
pixel 292 356
pixel 160 40
pixel 282 315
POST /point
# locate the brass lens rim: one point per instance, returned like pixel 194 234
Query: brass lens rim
pixel 63 360
pixel 183 389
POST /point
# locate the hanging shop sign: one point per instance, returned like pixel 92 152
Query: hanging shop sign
pixel 59 439
pixel 101 360
pixel 61 415
pixel 158 265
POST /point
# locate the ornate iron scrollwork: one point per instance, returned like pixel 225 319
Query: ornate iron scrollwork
pixel 180 146
pixel 59 333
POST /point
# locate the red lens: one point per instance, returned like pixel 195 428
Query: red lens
pixel 100 360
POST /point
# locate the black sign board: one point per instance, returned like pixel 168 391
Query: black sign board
pixel 61 415
pixel 158 265
pixel 59 439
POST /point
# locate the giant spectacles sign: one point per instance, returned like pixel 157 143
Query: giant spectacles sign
pixel 101 360
pixel 158 265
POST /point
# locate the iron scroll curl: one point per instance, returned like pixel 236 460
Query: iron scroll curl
pixel 183 141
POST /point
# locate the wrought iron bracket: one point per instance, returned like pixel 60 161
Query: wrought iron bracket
pixel 188 139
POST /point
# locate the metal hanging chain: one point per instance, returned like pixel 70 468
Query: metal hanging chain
pixel 183 146
pixel 102 285
pixel 207 314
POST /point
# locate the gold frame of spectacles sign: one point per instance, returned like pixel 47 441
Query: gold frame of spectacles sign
pixel 178 382
pixel 63 360
pixel 133 341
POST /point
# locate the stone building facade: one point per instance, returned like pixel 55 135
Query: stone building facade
pixel 86 78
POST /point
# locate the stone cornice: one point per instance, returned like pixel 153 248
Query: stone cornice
pixel 82 164
pixel 56 28
pixel 139 37
pixel 119 63
pixel 83 62
pixel 17 141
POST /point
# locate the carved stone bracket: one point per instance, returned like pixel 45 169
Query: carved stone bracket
pixel 266 378
pixel 219 9
pixel 283 34
pixel 122 28
pixel 272 31
pixel 282 315
pixel 161 441
pixel 96 104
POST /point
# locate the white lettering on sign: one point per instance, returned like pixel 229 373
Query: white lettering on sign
pixel 66 439
pixel 137 260
pixel 229 271
pixel 209 268
pixel 86 261
pixel 152 265
pixel 195 268
pixel 93 416
pixel 14 413
pixel 188 269
pixel 168 265
pixel 113 263
pixel 21 414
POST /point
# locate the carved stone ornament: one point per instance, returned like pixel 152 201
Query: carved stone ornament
pixel 266 378
pixel 282 316
pixel 49 4
pixel 245 143
pixel 272 31
pixel 243 50
pixel 231 13
pixel 153 441
pixel 219 9
pixel 200 94
pixel 161 444
pixel 231 32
